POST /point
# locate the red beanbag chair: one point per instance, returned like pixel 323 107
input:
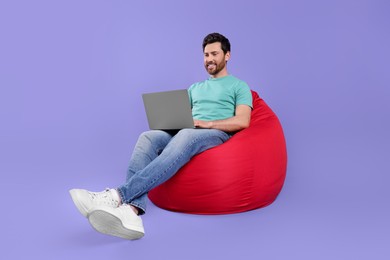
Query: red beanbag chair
pixel 244 173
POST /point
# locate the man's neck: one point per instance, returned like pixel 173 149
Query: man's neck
pixel 220 74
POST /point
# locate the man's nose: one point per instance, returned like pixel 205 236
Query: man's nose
pixel 209 59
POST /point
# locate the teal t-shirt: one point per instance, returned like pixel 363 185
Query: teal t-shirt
pixel 217 98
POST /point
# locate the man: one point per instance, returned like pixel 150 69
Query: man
pixel 221 106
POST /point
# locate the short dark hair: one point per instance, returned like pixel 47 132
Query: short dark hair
pixel 216 37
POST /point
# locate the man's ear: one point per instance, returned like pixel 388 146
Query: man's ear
pixel 227 56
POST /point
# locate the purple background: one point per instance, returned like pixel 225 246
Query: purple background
pixel 72 74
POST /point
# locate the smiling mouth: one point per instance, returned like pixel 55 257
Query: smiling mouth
pixel 211 66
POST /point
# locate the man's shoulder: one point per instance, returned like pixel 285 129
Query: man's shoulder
pixel 239 83
pixel 196 84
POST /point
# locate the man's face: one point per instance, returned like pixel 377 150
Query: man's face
pixel 214 58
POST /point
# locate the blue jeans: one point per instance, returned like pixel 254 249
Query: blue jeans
pixel 158 155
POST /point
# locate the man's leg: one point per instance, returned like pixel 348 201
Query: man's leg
pixel 150 144
pixel 181 148
pixel 122 221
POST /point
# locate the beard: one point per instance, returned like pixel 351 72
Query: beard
pixel 214 68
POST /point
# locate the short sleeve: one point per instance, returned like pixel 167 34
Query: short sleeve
pixel 243 95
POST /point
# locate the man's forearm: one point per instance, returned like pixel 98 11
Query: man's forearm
pixel 232 124
pixel 235 123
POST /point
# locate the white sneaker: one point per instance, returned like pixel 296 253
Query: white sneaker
pixel 120 222
pixel 86 200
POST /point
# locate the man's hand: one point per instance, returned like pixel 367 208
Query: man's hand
pixel 203 124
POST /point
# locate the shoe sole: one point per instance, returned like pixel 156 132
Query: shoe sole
pixel 76 202
pixel 109 224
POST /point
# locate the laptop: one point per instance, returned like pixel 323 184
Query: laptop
pixel 168 110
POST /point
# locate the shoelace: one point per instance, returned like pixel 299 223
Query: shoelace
pixel 105 197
